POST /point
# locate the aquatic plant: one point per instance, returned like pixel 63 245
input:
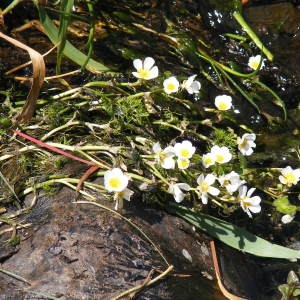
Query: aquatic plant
pixel 161 136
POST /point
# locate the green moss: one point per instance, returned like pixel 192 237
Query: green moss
pixel 225 137
pixel 55 113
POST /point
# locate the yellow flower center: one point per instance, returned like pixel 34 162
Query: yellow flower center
pixel 290 178
pixel 208 160
pixel 243 144
pixel 161 157
pixel 204 187
pixel 144 73
pixel 114 182
pixel 219 158
pixel 246 203
pixel 170 86
pixel 183 163
pixel 223 106
pixel 184 152
pixel 254 64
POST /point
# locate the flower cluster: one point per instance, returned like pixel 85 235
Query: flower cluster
pixel 220 155
pixel 231 182
pixel 219 184
pixel 146 70
pixel 166 157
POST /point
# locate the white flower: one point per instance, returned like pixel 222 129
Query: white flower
pixel 164 157
pixel 183 163
pixel 115 180
pixel 221 154
pixel 231 182
pixel 246 143
pixel 289 176
pixel 176 190
pixel 254 62
pixel 285 219
pixel 205 187
pixel 184 150
pixel 223 102
pixel 191 85
pixel 145 69
pixel 249 204
pixel 171 85
pixel 208 160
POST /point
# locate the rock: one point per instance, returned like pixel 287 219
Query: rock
pixel 78 251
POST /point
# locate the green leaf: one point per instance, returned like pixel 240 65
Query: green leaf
pixel 285 290
pixel 283 205
pixel 296 292
pixel 64 19
pixel 234 236
pixel 69 50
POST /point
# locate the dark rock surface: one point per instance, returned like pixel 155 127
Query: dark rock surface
pixel 78 251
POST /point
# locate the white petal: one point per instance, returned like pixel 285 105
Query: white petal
pixel 249 136
pixel 215 149
pixel 153 73
pixel 184 186
pixel 255 209
pixel 168 163
pixel 231 188
pixel 200 179
pixel 210 179
pixel 136 74
pixel 242 191
pixel 148 63
pixel 250 192
pixel 138 64
pixel 171 188
pixel 156 147
pixel 248 152
pixel 194 87
pixel 297 172
pixel 287 219
pixel 169 150
pixel 178 194
pixel 127 194
pixel 213 191
pixel 255 200
pixel 204 198
pixel 282 179
pixel 191 78
pixel 248 212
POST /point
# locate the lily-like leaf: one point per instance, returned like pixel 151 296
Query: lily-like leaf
pixel 234 236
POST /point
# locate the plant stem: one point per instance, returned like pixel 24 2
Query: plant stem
pixel 252 35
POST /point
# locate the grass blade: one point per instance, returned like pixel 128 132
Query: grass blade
pixel 234 236
pixel 69 50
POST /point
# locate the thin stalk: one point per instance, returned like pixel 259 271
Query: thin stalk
pixel 131 223
pixel 252 35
